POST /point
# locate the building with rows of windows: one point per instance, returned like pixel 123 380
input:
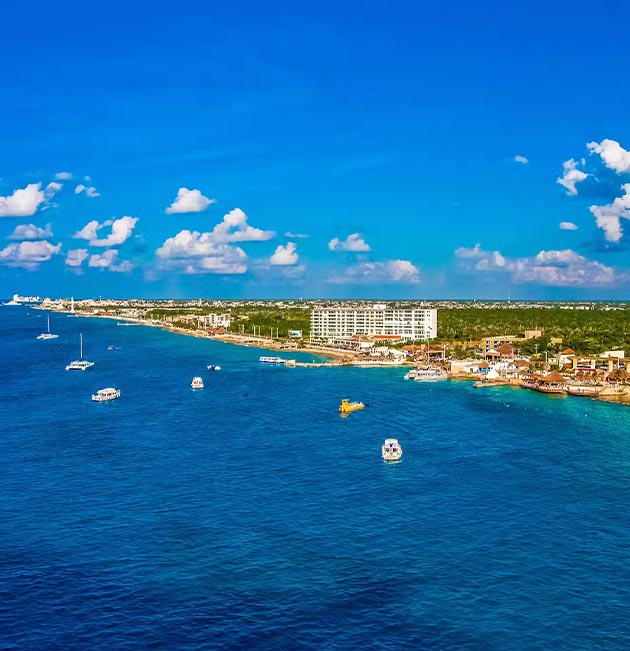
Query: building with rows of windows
pixel 378 320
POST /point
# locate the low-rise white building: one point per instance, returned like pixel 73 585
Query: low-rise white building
pixel 214 321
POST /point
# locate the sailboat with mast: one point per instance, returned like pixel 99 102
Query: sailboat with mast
pixel 72 312
pixel 49 334
pixel 80 364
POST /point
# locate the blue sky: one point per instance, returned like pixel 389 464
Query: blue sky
pixel 336 149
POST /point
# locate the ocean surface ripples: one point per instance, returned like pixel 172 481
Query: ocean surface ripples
pixel 250 515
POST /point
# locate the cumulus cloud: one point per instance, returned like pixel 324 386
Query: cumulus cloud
pixel 353 242
pixel 615 157
pixel 284 255
pixel 121 231
pixel 108 260
pixel 23 202
pixel 568 226
pixel 30 232
pixel 609 217
pixel 521 159
pixel 553 268
pixel 28 255
pixel 211 252
pixel 63 176
pixel 387 272
pixel 189 201
pixel 76 257
pixel 571 176
pixel 89 191
pixel 196 252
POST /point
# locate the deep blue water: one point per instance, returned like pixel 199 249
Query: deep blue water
pixel 250 515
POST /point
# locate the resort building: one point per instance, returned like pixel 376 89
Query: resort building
pixel 214 321
pixel 377 320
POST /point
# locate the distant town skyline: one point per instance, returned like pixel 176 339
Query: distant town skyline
pixel 351 150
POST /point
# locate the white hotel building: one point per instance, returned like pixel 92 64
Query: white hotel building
pixel 377 320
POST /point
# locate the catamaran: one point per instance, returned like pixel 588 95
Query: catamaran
pixel 80 364
pixel 49 334
pixel 105 395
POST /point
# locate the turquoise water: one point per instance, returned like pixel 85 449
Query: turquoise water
pixel 250 515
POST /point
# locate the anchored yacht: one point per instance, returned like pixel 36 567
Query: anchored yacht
pixel 214 367
pixel 427 374
pixel 104 395
pixel 80 364
pixel 391 450
pixel 48 334
pixel 197 383
pixel 271 360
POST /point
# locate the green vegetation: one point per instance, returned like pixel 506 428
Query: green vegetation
pixel 284 319
pixel 585 331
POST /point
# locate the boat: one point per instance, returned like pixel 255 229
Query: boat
pixel 391 450
pixel 49 334
pixel 272 360
pixel 347 407
pixel 426 374
pixel 104 395
pixel 214 367
pixel 197 383
pixel 586 390
pixel 80 364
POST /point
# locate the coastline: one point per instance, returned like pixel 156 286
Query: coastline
pixel 335 358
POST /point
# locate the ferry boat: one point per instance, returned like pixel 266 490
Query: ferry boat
pixel 214 367
pixel 272 360
pixel 104 395
pixel 346 406
pixel 427 374
pixel 391 450
pixel 48 334
pixel 197 383
pixel 80 364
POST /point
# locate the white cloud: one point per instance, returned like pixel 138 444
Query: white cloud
pixel 571 176
pixel 296 236
pixel 63 176
pixel 51 189
pixel 353 242
pixel 609 217
pixel 568 226
pixel 615 157
pixel 196 252
pixel 22 203
pixel 76 257
pixel 284 255
pixel 521 159
pixel 108 260
pixel 120 233
pixel 189 201
pixel 210 252
pixel 30 232
pixel 390 271
pixel 28 255
pixel 90 191
pixel 234 228
pixel 554 268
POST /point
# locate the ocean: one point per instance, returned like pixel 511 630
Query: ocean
pixel 250 515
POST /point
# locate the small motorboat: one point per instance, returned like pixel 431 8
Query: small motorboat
pixel 214 367
pixel 346 406
pixel 104 395
pixel 391 450
pixel 197 383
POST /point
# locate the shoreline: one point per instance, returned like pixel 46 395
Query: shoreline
pixel 336 358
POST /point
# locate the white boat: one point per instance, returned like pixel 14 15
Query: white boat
pixel 427 374
pixel 49 334
pixel 80 364
pixel 214 367
pixel 272 360
pixel 197 383
pixel 391 450
pixel 104 395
